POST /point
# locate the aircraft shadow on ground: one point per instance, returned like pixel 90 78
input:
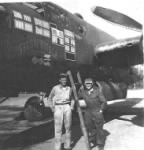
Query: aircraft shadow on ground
pixel 38 134
pixel 116 110
pixel 31 136
pixel 45 131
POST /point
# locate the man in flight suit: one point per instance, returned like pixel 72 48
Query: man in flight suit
pixel 93 114
pixel 61 104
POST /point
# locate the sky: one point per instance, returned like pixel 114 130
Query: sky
pixel 132 8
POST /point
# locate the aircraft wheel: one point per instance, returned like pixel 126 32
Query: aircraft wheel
pixel 34 109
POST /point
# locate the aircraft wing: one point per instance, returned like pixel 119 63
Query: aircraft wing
pixel 126 52
pixel 116 17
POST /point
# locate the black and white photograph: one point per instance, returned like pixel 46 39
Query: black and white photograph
pixel 71 75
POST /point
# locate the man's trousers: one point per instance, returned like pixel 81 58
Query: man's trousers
pixel 94 122
pixel 62 114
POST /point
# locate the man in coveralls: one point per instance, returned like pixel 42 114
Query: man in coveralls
pixel 62 105
pixel 93 114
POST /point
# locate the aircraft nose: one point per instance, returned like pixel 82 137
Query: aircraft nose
pixel 3 12
pixel 2 9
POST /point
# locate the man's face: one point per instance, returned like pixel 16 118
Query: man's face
pixel 88 86
pixel 63 81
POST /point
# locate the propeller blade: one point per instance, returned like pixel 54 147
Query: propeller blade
pixel 116 17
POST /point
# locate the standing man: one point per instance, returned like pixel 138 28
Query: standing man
pixel 93 115
pixel 61 104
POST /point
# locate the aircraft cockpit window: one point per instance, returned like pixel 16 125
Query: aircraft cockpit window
pixel 19 24
pixel 22 21
pixel 17 15
pixel 42 27
pixel 27 18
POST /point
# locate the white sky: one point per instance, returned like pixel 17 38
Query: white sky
pixel 132 8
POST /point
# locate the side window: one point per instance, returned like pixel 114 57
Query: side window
pixel 22 21
pixel 42 27
pixel 70 49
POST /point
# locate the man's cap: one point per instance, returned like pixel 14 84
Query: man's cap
pixel 88 81
pixel 62 75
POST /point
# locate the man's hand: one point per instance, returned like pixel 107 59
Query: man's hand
pixel 72 108
pixel 72 104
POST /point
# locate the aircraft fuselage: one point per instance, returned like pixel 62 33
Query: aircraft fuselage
pixel 29 34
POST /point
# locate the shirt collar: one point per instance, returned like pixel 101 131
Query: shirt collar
pixel 90 91
pixel 61 87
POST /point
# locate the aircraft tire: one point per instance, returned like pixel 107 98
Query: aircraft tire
pixel 34 109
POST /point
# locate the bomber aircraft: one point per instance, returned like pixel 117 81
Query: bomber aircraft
pixel 40 40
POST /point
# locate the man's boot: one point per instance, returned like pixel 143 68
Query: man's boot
pixel 100 147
